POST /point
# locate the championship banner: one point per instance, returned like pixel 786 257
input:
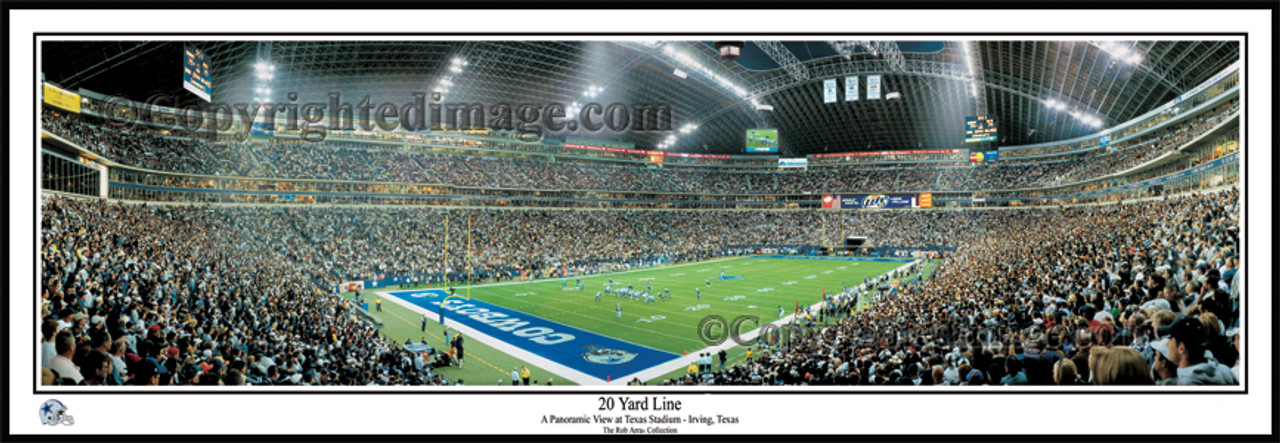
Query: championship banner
pixel 873 87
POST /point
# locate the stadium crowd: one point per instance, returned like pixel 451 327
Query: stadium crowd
pixel 204 295
pixel 193 288
pixel 395 163
pixel 1118 294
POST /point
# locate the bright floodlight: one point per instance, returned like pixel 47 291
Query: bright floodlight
pixel 260 66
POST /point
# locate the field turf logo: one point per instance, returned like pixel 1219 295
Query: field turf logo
pixel 875 201
pixel 606 356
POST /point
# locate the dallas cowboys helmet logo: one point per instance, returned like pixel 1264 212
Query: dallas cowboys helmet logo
pixel 606 356
pixel 53 412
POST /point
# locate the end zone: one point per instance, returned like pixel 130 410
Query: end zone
pixel 580 355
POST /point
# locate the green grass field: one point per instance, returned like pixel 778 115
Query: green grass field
pixel 738 354
pixel 763 286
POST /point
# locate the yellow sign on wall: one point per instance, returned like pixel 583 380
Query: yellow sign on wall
pixel 61 98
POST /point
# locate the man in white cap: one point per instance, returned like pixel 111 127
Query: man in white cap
pixel 1164 371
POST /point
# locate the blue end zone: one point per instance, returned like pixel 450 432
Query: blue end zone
pixel 585 351
pixel 882 260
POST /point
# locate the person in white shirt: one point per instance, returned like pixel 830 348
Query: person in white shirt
pixel 48 330
pixel 61 364
pixel 117 360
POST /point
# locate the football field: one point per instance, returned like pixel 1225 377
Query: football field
pixel 564 329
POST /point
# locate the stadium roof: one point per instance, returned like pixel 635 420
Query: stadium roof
pixel 1016 81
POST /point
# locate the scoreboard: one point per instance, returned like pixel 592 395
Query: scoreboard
pixel 980 128
pixel 195 72
pixel 762 140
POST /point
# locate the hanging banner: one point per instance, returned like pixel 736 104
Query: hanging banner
pixel 829 90
pixel 851 89
pixel 873 87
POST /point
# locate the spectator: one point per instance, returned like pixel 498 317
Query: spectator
pixel 1186 343
pixel 61 364
pixel 1121 366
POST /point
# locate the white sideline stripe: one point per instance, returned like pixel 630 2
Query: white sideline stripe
pixel 684 361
